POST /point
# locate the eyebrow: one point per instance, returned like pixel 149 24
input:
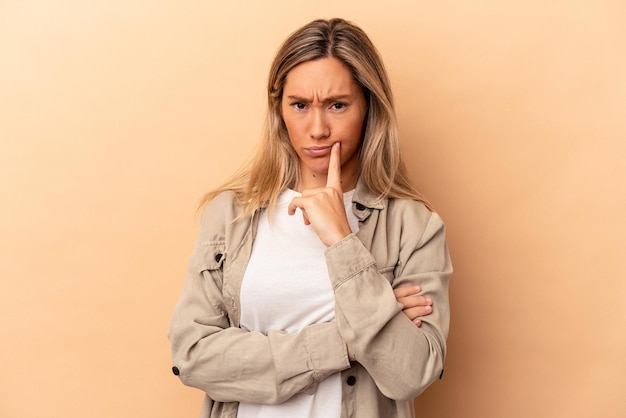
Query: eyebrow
pixel 336 98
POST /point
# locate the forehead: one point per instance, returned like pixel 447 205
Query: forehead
pixel 322 76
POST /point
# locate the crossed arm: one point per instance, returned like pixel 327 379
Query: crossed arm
pixel 234 365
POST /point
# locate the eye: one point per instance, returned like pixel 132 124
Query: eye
pixel 298 105
pixel 338 106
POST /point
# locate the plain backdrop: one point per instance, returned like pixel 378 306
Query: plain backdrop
pixel 117 115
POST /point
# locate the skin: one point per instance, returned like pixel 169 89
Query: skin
pixel 322 105
pixel 324 111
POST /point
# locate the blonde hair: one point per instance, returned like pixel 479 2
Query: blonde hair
pixel 275 165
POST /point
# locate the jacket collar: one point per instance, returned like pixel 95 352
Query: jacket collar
pixel 364 201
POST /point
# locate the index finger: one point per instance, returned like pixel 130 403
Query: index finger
pixel 333 178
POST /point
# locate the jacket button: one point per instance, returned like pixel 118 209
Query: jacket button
pixel 360 206
pixel 175 371
pixel 351 380
pixel 218 257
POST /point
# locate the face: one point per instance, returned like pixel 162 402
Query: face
pixel 321 105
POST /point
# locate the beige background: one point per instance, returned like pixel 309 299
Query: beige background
pixel 115 116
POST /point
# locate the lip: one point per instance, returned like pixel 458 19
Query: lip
pixel 318 151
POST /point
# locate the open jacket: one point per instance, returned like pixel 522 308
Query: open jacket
pixel 399 242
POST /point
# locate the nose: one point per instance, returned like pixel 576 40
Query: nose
pixel 320 129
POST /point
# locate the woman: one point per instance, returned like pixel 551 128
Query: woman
pixel 314 265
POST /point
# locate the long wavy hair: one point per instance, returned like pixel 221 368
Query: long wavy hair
pixel 275 166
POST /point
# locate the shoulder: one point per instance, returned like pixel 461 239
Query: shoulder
pixel 219 215
pixel 410 209
pixel 223 201
pixel 413 215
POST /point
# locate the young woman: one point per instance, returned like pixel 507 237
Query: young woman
pixel 319 283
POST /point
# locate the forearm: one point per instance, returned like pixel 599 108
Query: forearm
pixel 232 364
pixel 401 358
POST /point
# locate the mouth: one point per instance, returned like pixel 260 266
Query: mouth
pixel 318 151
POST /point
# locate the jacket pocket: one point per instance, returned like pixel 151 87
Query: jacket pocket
pixel 213 254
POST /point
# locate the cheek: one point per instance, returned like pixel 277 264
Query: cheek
pixel 355 129
pixel 289 128
pixel 286 121
pixel 296 129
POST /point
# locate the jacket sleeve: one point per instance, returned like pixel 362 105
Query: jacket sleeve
pixel 401 358
pixel 234 365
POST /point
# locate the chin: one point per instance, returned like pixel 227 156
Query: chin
pixel 321 169
pixel 316 169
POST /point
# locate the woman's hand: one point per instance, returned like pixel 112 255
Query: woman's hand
pixel 415 306
pixel 323 208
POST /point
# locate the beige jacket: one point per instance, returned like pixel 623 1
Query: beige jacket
pixel 399 242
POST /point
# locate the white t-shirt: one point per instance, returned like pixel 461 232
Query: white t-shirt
pixel 286 287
